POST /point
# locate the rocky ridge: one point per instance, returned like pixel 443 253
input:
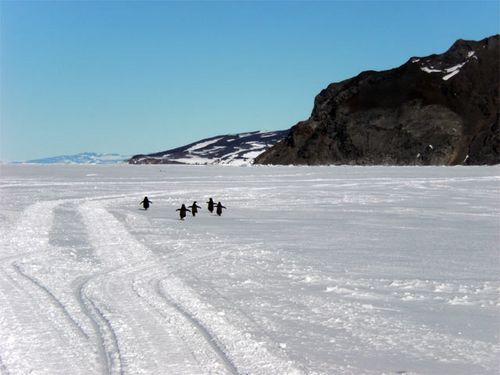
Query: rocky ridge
pixel 234 149
pixel 441 109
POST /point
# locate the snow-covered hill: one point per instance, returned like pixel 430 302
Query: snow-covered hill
pixel 82 158
pixel 233 149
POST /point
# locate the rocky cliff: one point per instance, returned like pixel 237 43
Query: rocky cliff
pixel 435 110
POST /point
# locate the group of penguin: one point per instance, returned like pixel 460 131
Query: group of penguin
pixel 193 208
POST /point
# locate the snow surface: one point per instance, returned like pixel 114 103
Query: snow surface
pixel 448 76
pixel 429 70
pixel 310 270
pixel 203 144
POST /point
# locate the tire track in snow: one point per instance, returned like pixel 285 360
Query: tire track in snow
pixel 235 349
pixel 59 286
pixel 53 298
pixel 248 355
pixel 196 337
pixel 27 332
pixel 244 353
pixel 109 349
pixel 126 257
pixel 153 336
pixel 86 309
pixel 210 339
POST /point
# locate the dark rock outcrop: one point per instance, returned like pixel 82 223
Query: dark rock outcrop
pixel 436 110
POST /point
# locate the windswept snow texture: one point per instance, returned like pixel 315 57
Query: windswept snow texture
pixel 236 149
pixel 310 270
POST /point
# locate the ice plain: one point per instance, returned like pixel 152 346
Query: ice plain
pixel 310 270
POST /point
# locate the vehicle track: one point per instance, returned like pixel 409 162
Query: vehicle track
pixel 21 292
pixel 22 314
pixel 211 357
pixel 110 252
pixel 109 348
pixel 231 344
pixel 53 298
pixel 210 339
pixel 87 308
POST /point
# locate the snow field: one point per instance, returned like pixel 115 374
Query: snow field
pixel 339 270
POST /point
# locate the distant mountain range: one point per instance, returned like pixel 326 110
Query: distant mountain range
pixel 233 149
pixel 82 158
pixel 441 109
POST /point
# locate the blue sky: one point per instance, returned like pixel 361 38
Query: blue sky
pixel 138 77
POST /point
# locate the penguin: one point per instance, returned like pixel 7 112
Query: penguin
pixel 194 208
pixel 182 212
pixel 210 205
pixel 145 203
pixel 219 208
